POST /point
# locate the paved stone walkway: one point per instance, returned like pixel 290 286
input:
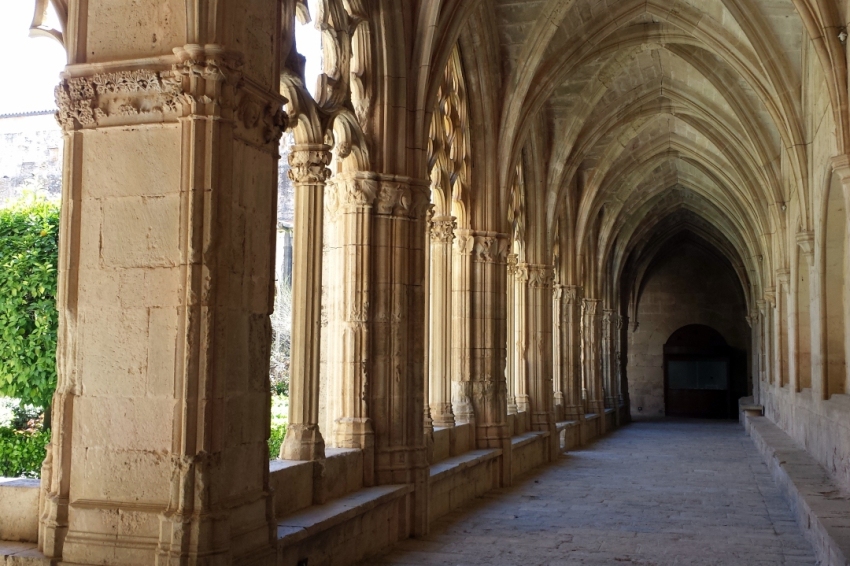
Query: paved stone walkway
pixel 673 492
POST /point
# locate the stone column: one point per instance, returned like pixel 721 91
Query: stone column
pixel 395 391
pixel 354 195
pixel 754 320
pixel 539 358
pixel 806 241
pixel 461 296
pixel 308 173
pixel 159 452
pixel 486 381
pixel 558 351
pixel 571 354
pixel 591 350
pixel 783 277
pixel 841 168
pixel 510 367
pixel 609 356
pixel 522 337
pixel 440 341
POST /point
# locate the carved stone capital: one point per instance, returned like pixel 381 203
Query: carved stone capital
pixel 203 81
pixel 770 296
pixel 398 196
pixel 442 229
pixel 783 276
pixel 841 167
pixel 353 191
pixel 512 261
pixel 540 276
pixel 590 306
pixel 573 294
pixel 490 247
pixel 309 164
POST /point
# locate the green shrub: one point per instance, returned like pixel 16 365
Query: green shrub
pixel 29 252
pixel 275 440
pixel 22 452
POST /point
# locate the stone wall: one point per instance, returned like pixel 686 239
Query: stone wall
pixel 687 286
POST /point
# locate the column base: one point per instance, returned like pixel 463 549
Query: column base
pixel 442 416
pixel 303 442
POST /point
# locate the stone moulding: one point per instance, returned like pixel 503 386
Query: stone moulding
pixel 201 82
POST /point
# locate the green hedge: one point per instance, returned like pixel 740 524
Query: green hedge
pixel 22 452
pixel 29 254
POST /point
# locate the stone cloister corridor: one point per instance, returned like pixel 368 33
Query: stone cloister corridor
pixel 520 227
pixel 654 493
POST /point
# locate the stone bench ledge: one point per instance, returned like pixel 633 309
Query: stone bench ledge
pixel 521 440
pixel 464 461
pixel 821 506
pixel 313 520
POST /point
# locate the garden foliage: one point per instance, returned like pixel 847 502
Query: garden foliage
pixel 22 452
pixel 29 252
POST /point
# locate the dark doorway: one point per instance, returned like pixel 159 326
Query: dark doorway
pixel 701 374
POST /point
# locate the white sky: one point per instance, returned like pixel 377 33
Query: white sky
pixel 36 62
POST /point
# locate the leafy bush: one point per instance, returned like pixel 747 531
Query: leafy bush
pixel 22 452
pixel 275 440
pixel 29 252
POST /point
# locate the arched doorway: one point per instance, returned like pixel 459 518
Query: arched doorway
pixel 701 374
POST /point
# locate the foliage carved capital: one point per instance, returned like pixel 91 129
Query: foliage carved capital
pixel 309 164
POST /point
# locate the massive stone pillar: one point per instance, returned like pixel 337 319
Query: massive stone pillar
pixel 308 173
pixel 479 347
pixel 440 341
pixel 395 370
pixel 571 355
pixel 539 355
pixel 754 320
pixel 348 349
pixel 783 290
pixel 591 355
pixel 161 414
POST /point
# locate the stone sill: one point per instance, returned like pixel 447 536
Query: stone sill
pixel 820 506
pixel 528 438
pixel 21 554
pixel 19 504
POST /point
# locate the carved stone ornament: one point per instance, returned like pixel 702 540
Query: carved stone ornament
pixel 401 197
pixel 309 166
pixel 443 229
pixel 85 101
pixel 540 276
pixel 354 192
pixel 572 294
pixel 205 81
pixel 806 241
pixel 588 306
pixel 512 259
pixel 489 247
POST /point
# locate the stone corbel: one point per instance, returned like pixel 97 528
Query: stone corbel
pixel 806 241
pixel 783 276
